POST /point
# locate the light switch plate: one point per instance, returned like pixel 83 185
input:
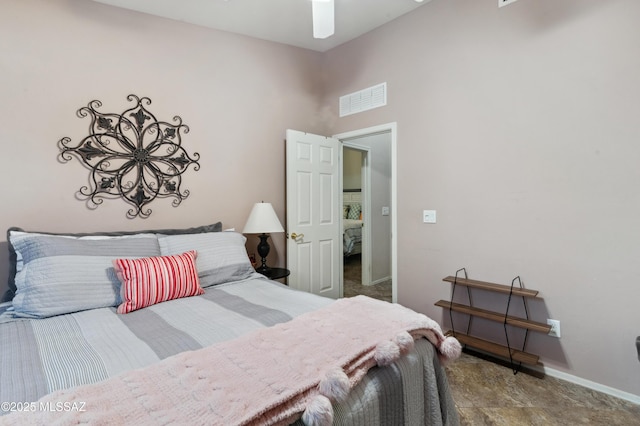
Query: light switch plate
pixel 429 216
pixel 385 211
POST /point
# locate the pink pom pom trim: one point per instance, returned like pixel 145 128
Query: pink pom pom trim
pixel 386 353
pixel 405 342
pixel 335 385
pixel 449 349
pixel 319 412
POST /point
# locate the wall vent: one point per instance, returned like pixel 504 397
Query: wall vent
pixel 363 100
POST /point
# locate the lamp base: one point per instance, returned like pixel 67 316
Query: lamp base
pixel 263 251
pixel 263 269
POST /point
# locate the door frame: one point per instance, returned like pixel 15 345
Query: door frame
pixel 392 128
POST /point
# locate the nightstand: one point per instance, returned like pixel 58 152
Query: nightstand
pixel 276 273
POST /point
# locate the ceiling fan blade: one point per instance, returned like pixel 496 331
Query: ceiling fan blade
pixel 323 18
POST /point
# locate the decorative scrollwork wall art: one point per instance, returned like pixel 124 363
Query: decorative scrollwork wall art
pixel 132 156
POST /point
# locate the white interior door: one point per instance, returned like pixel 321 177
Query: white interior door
pixel 314 237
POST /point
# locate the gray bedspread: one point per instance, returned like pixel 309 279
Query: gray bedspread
pixel 40 356
pixel 351 237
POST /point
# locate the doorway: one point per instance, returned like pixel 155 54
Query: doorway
pixel 373 187
pixel 356 223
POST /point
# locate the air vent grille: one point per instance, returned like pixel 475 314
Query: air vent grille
pixel 363 100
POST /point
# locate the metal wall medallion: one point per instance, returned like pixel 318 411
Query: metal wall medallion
pixel 132 156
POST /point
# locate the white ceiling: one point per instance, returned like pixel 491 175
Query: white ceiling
pixel 282 21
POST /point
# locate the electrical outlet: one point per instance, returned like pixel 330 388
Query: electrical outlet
pixel 505 2
pixel 555 328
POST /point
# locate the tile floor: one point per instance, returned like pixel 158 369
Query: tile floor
pixel 353 282
pixel 490 394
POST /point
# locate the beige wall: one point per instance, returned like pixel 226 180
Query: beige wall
pixel 236 94
pixel 351 169
pixel 520 127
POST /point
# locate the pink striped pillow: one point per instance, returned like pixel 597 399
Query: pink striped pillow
pixel 150 280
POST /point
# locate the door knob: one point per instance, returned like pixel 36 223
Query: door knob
pixel 295 236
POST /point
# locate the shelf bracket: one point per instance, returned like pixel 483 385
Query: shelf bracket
pixel 453 291
pixel 506 334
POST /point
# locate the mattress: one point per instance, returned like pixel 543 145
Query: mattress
pixel 40 356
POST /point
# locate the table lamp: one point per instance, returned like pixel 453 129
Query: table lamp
pixel 262 220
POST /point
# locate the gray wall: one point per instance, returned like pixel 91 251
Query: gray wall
pixel 519 125
pixel 380 172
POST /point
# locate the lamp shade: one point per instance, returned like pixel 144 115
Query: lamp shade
pixel 262 220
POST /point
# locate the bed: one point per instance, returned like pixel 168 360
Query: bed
pixel 146 326
pixel 352 222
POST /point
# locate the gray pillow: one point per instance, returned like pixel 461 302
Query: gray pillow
pixel 215 227
pixel 62 274
pixel 222 256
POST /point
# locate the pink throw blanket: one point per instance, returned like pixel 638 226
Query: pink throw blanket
pixel 266 377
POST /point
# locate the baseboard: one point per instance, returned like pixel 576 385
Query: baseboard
pixel 540 371
pixel 592 385
pixel 519 367
pixel 380 281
